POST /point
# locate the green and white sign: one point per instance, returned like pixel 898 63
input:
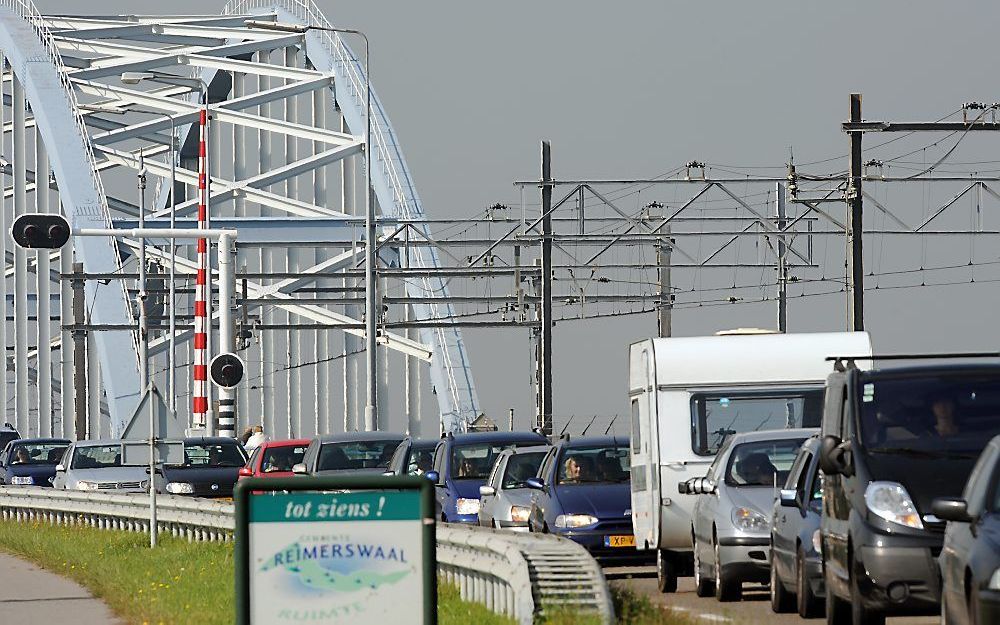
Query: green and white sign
pixel 330 550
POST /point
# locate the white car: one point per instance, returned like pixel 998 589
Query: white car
pixel 97 466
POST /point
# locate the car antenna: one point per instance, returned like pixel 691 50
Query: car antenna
pixel 563 431
pixel 584 433
pixel 610 424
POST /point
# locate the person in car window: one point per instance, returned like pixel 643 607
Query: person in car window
pixel 756 470
pixel 945 417
pixel 578 469
pixel 21 456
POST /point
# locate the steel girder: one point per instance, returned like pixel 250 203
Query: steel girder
pixel 451 370
pixel 37 66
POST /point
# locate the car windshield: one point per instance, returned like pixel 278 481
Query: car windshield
pixel 520 467
pixel 762 463
pixel 352 455
pixel 473 462
pixel 281 459
pixel 716 416
pixel 37 453
pixel 214 455
pixel 930 415
pixel 421 461
pixel 97 457
pixel 592 465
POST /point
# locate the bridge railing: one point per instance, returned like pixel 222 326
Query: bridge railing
pixel 517 575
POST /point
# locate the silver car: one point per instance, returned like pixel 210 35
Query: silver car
pixel 731 521
pixel 97 466
pixel 505 501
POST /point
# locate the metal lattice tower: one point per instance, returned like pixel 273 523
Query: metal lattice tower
pixel 285 168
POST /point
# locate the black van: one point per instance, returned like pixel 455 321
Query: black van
pixel 893 440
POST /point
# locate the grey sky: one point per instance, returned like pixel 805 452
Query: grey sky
pixel 632 89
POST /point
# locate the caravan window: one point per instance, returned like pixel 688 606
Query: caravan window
pixel 714 416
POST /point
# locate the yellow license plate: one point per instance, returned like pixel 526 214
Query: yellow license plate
pixel 619 541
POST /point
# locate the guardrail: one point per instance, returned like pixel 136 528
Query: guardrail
pixel 518 575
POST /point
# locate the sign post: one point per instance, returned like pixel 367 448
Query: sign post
pixel 354 549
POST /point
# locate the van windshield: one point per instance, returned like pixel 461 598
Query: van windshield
pixel 930 415
pixel 715 416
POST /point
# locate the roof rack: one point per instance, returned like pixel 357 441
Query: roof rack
pixel 917 356
pixel 842 363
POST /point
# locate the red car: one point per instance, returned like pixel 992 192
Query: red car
pixel 275 458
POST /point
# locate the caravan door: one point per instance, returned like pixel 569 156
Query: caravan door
pixel 645 448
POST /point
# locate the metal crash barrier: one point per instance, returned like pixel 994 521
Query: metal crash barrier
pixel 517 575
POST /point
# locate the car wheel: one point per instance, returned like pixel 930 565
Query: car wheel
pixel 781 599
pixel 727 587
pixel 860 615
pixel 806 601
pixel 703 586
pixel 666 571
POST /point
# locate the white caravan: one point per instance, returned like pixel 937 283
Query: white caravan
pixel 688 394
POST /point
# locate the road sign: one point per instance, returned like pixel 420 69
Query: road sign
pixel 355 549
pixel 40 230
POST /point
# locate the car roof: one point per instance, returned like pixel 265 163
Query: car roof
pixel 41 440
pixel 773 435
pixel 287 442
pixel 940 368
pixel 593 441
pixel 210 440
pixel 497 437
pixel 100 442
pixel 346 437
pixel 424 443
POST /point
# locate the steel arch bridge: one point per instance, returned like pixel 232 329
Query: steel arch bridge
pixel 285 168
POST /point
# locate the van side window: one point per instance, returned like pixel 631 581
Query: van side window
pixel 802 484
pixel 636 442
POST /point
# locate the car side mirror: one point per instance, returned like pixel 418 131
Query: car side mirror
pixel 60 468
pixel 951 509
pixel 788 498
pixel 300 469
pixel 535 482
pixel 487 491
pixel 834 456
pixel 433 476
pixel 246 472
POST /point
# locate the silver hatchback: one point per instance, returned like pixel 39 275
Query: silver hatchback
pixel 731 522
pixel 97 466
pixel 505 501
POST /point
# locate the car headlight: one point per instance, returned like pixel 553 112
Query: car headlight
pixel 890 501
pixel 749 520
pixel 467 506
pixel 817 541
pixel 565 521
pixel 84 485
pixel 519 513
pixel 23 480
pixel 994 583
pixel 179 488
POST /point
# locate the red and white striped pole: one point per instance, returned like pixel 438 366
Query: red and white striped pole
pixel 201 301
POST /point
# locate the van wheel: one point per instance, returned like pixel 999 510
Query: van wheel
pixel 860 615
pixel 837 612
pixel 806 602
pixel 666 571
pixel 781 599
pixel 703 586
pixel 727 587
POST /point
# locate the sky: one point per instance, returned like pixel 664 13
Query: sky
pixel 633 89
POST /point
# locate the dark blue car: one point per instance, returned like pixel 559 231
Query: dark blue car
pixel 462 462
pixel 31 461
pixel 582 493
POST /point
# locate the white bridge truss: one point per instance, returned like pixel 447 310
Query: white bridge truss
pixel 286 170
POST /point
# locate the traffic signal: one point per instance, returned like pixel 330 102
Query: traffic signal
pixel 226 370
pixel 40 231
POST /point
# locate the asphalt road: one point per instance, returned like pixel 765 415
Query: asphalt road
pixel 755 609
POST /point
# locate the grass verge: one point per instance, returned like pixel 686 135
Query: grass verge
pixel 184 583
pixel 193 582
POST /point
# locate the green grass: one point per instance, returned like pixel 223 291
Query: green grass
pixel 182 582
